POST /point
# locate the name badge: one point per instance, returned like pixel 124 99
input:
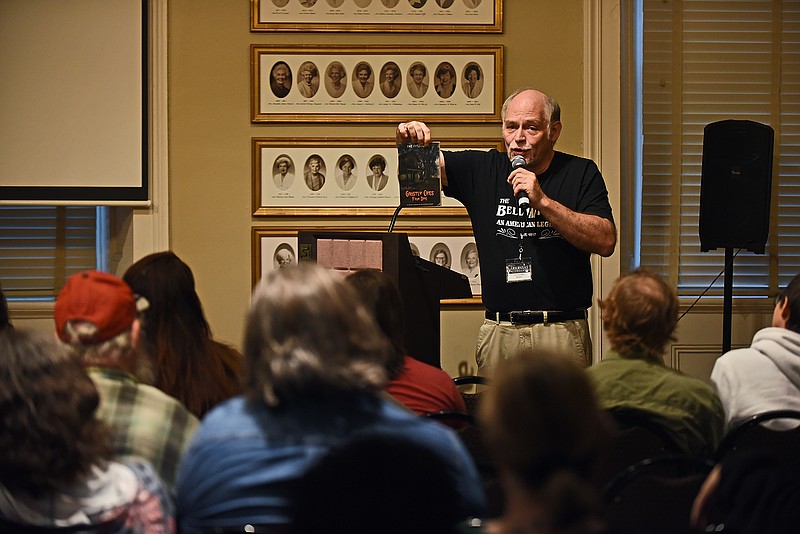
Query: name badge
pixel 519 270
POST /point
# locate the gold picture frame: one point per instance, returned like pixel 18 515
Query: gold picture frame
pixel 380 83
pixel 274 247
pixel 453 16
pixel 281 185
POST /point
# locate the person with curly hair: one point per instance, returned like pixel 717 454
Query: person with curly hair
pixel 640 316
pixel 187 362
pixel 55 455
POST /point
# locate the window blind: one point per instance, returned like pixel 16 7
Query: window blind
pixel 40 247
pixel 704 61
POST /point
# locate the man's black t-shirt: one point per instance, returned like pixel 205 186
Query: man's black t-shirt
pixel 562 277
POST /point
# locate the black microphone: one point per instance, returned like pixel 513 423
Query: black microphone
pixel 522 197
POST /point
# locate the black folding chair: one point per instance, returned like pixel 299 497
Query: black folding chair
pixel 760 432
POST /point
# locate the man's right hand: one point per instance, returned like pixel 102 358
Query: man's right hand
pixel 414 132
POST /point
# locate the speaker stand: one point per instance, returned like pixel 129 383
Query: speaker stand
pixel 727 301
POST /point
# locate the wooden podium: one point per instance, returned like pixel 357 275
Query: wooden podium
pixel 422 283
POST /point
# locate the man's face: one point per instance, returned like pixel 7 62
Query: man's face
pixel 280 75
pixel 363 76
pixel 418 76
pixel 440 258
pixel 526 132
pixel 472 259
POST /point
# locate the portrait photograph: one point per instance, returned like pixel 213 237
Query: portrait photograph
pixel 376 177
pixel 440 255
pixel 284 257
pixel 335 79
pixel 447 16
pixel 314 174
pixel 472 83
pixel 391 80
pixel 308 79
pixel 346 172
pixel 283 172
pixel 379 83
pixel 445 80
pixel 417 80
pixel 363 79
pixel 280 79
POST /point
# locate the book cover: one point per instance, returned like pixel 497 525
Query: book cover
pixel 418 172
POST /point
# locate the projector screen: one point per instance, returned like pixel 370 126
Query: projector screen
pixel 73 101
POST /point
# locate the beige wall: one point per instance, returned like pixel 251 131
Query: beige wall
pixel 210 132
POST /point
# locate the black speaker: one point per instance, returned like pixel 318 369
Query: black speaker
pixel 736 185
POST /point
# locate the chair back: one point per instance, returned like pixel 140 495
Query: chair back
pixel 471 388
pixel 655 495
pixel 472 436
pixel 776 431
pixel 636 437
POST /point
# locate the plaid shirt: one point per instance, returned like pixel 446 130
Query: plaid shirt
pixel 145 422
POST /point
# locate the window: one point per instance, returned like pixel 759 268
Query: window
pixel 41 246
pixel 704 61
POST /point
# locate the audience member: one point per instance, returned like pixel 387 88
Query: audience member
pixel 95 316
pixel 189 364
pixel 377 484
pixel 764 377
pixel 5 317
pixel 55 469
pixel 639 317
pixel 547 432
pixel 420 387
pixel 315 367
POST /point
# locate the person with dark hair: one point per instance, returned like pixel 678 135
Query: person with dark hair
pixel 473 85
pixel 547 434
pixel 378 179
pixel 5 317
pixel 315 369
pixel 96 318
pixel 420 387
pixel 55 458
pixel 188 363
pixel 536 274
pixel 377 484
pixel 764 376
pixel 639 317
pixel 445 80
pixel 416 80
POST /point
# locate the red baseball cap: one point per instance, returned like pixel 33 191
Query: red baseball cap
pixel 98 298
